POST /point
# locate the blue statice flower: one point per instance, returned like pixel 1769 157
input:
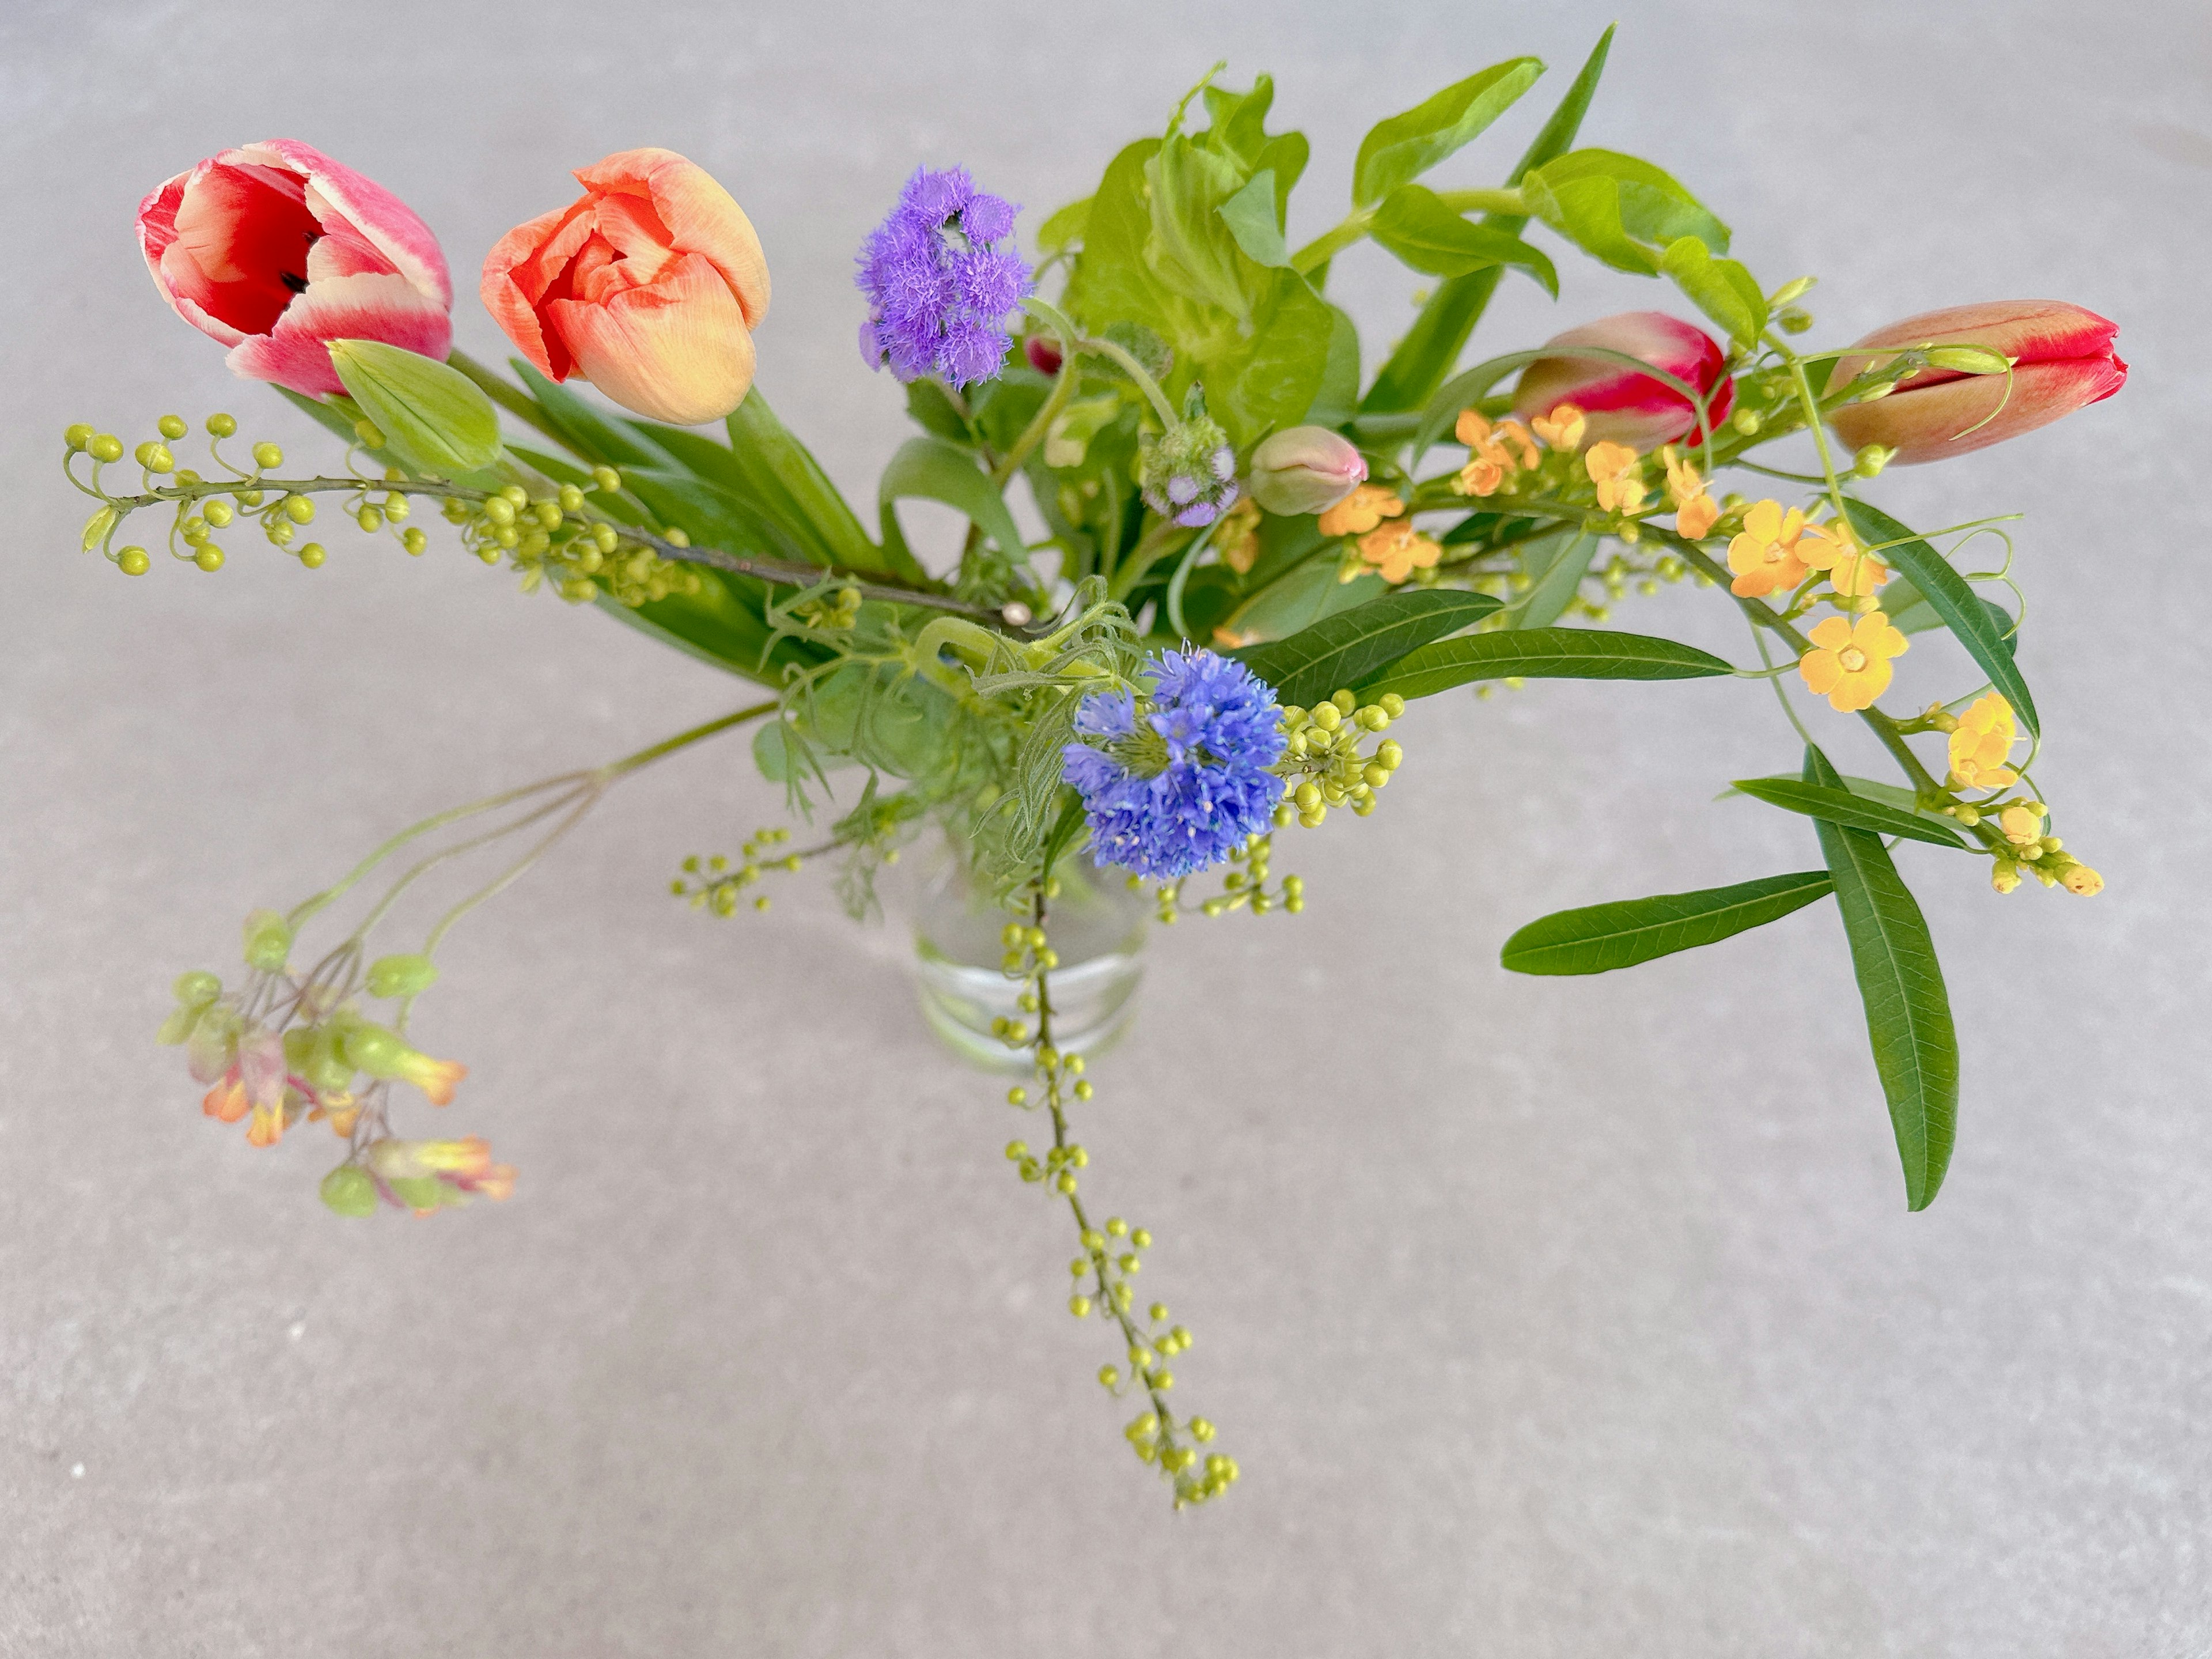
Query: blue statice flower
pixel 939 283
pixel 1175 782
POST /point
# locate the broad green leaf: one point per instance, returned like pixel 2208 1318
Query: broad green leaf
pixel 1910 612
pixel 719 624
pixel 1296 600
pixel 1403 147
pixel 1064 227
pixel 1838 805
pixel 1722 289
pixel 1190 251
pixel 1250 217
pixel 1554 653
pixel 1422 232
pixel 1345 649
pixel 1277 382
pixel 933 470
pixel 1419 362
pixel 1338 399
pixel 711 514
pixel 1110 282
pixel 1600 938
pixel 1916 1049
pixel 1557 579
pixel 1962 610
pixel 1618 208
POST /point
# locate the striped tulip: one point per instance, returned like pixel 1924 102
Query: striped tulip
pixel 1620 405
pixel 2063 359
pixel 275 249
pixel 648 285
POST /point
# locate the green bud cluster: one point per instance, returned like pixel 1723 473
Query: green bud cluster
pixel 554 541
pixel 717 884
pixel 1323 764
pixel 1243 885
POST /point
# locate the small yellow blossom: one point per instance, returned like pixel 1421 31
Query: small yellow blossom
pixel 1982 743
pixel 1493 454
pixel 1396 551
pixel 1853 572
pixel 1695 510
pixel 1764 553
pixel 1237 537
pixel 1850 661
pixel 1563 428
pixel 1361 511
pixel 1618 472
pixel 2021 825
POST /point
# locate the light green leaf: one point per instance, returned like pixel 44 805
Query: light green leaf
pixel 1250 217
pixel 1571 654
pixel 1838 805
pixel 1910 612
pixel 1964 612
pixel 1618 208
pixel 1556 577
pixel 933 470
pixel 1277 382
pixel 1889 795
pixel 1598 938
pixel 1916 1049
pixel 1338 399
pixel 1416 226
pixel 1066 227
pixel 1403 147
pixel 1722 289
pixel 1356 645
pixel 1297 599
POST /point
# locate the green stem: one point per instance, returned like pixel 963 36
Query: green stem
pixel 1072 339
pixel 1063 389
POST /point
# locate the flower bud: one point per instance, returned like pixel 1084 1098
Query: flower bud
pixel 401 975
pixel 1305 469
pixel 2062 359
pixel 267 941
pixel 434 418
pixel 1190 469
pixel 1618 404
pixel 349 1190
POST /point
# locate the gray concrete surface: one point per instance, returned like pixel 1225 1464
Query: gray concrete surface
pixel 1544 1318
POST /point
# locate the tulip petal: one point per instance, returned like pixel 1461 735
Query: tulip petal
pixel 295 353
pixel 1956 417
pixel 677 351
pixel 388 223
pixel 700 217
pixel 527 265
pixel 1620 405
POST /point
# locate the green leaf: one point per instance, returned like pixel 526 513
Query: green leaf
pixel 1420 361
pixel 1403 147
pixel 1618 208
pixel 936 471
pixel 1838 805
pixel 1600 938
pixel 1910 612
pixel 1557 580
pixel 1557 653
pixel 1889 795
pixel 1345 649
pixel 1722 289
pixel 1065 828
pixel 1250 217
pixel 1908 1012
pixel 1277 382
pixel 1300 595
pixel 1064 227
pixel 1338 399
pixel 583 428
pixel 776 470
pixel 1962 610
pixel 1416 226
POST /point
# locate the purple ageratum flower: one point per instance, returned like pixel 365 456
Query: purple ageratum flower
pixel 938 284
pixel 1176 783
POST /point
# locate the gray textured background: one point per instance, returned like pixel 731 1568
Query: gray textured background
pixel 1543 1317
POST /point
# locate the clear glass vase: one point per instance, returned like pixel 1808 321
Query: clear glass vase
pixel 1097 927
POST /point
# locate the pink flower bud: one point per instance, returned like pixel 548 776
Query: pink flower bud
pixel 1305 469
pixel 1043 353
pixel 1622 406
pixel 2063 359
pixel 275 249
pixel 648 285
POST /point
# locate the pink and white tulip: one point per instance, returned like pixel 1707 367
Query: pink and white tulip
pixel 2063 361
pixel 275 249
pixel 1622 406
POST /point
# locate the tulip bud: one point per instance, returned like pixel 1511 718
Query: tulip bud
pixel 434 418
pixel 2062 359
pixel 1306 469
pixel 1620 405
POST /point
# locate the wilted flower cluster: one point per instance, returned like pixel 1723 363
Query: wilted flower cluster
pixel 939 285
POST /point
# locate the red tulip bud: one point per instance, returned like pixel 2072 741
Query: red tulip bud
pixel 1622 406
pixel 2062 359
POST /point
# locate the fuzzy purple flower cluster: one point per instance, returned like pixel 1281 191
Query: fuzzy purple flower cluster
pixel 1209 792
pixel 939 283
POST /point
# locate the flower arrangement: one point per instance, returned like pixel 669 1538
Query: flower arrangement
pixel 1257 558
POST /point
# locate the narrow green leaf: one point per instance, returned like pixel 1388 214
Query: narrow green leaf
pixel 1556 653
pixel 1250 217
pixel 1402 147
pixel 1065 828
pixel 1837 804
pixel 1419 364
pixel 1889 795
pixel 1417 228
pixel 1909 612
pixel 1345 649
pixel 1600 938
pixel 1556 582
pixel 584 429
pixel 1619 209
pixel 1916 1049
pixel 933 470
pixel 775 469
pixel 1962 610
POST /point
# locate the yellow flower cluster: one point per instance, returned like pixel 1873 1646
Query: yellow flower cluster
pixel 1494 453
pixel 1848 663
pixel 1982 745
pixel 1777 548
pixel 1696 513
pixel 1563 428
pixel 1618 472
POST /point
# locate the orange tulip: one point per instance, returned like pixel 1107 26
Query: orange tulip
pixel 2063 359
pixel 649 286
